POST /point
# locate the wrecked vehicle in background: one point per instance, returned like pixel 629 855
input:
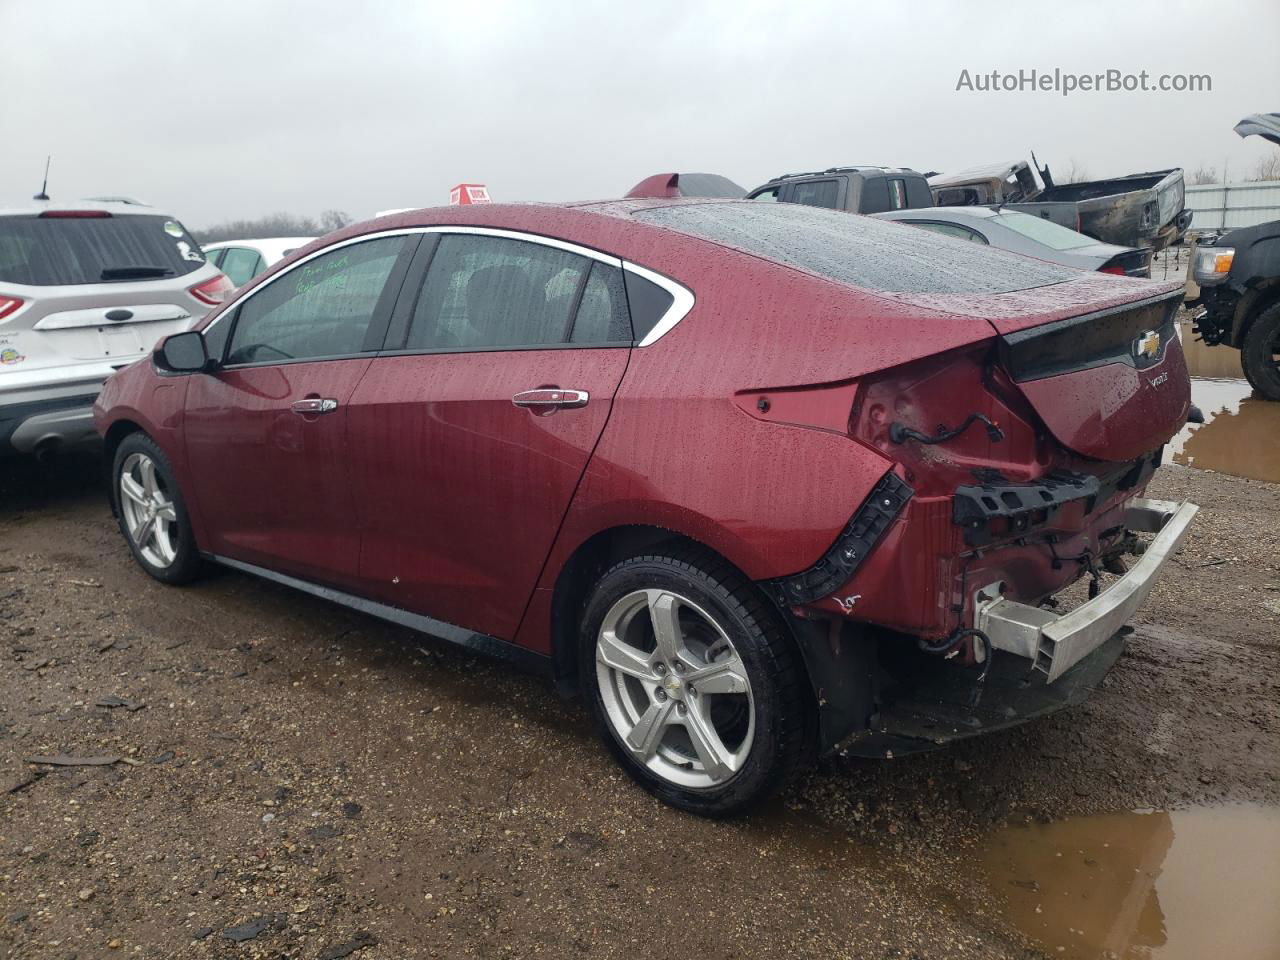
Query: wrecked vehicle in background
pixel 762 481
pixel 1234 278
pixel 1138 210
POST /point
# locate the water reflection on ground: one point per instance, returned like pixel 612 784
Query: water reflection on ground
pixel 1241 432
pixel 1165 886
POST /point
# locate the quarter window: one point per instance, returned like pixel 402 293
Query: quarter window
pixel 492 292
pixel 321 308
pixel 897 195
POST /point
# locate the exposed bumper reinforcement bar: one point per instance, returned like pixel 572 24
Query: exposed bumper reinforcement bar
pixel 1056 642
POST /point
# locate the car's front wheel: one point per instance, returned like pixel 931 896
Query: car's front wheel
pixel 1260 353
pixel 151 511
pixel 693 683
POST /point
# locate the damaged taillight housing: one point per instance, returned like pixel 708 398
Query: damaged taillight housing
pixel 951 419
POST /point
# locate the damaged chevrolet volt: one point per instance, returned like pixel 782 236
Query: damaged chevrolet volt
pixel 762 481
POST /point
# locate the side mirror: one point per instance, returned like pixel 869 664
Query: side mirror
pixel 183 353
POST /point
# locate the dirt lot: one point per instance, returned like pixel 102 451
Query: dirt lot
pixel 334 786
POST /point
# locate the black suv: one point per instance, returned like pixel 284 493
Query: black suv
pixel 860 189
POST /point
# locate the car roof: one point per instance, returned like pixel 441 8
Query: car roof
pixel 114 207
pixel 854 168
pixel 955 213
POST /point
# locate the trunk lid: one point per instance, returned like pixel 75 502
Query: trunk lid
pixel 1097 357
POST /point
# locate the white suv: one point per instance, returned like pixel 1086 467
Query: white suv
pixel 85 289
pixel 242 260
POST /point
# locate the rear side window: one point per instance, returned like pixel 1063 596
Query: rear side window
pixel 55 250
pixel 602 313
pixel 321 308
pixel 860 251
pixel 493 292
pixel 817 193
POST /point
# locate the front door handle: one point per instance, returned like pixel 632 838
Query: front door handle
pixel 314 405
pixel 551 397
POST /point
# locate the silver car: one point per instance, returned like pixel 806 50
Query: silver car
pixel 86 288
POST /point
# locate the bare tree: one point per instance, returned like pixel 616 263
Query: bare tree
pixel 1203 174
pixel 1267 168
pixel 272 225
pixel 1076 173
pixel 332 220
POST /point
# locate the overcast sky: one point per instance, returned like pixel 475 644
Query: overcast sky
pixel 228 109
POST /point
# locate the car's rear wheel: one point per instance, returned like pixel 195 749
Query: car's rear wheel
pixel 151 511
pixel 693 683
pixel 1260 353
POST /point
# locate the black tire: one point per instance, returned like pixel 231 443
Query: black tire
pixel 187 564
pixel 784 730
pixel 1260 351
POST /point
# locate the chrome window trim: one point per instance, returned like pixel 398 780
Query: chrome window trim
pixel 681 296
pixel 681 302
pixel 236 304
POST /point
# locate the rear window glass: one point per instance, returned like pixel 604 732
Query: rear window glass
pixel 50 251
pixel 856 250
pixel 1043 231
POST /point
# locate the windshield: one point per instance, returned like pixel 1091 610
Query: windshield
pixel 856 250
pixel 53 250
pixel 1043 231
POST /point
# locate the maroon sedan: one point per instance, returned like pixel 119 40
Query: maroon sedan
pixel 763 481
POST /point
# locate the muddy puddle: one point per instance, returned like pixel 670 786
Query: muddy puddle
pixel 1241 432
pixel 1186 885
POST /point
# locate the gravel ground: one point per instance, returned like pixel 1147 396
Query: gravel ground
pixel 296 780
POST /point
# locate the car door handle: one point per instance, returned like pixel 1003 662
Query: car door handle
pixel 314 405
pixel 551 397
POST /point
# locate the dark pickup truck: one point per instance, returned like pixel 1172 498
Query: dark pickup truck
pixel 1138 210
pixel 860 189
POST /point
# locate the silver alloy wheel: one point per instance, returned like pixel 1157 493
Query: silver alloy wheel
pixel 674 689
pixel 149 513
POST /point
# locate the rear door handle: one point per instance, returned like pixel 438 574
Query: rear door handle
pixel 314 405
pixel 551 397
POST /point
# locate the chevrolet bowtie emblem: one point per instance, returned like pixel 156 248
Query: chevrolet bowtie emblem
pixel 1147 345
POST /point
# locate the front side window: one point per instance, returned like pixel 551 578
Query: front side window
pixel 321 308
pixel 239 264
pixel 817 193
pixel 494 292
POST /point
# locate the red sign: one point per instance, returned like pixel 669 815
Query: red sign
pixel 465 193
